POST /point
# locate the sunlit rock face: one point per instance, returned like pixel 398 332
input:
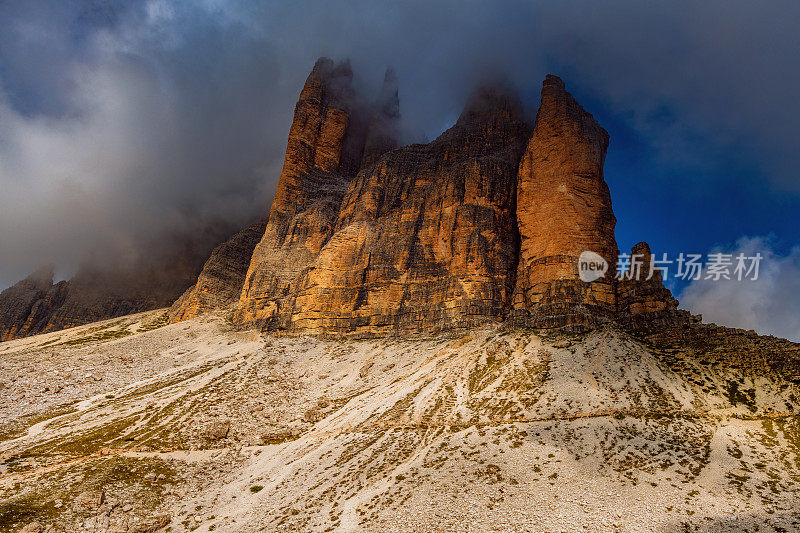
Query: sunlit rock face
pixel 426 239
pixel 563 209
pixel 485 223
pixel 327 140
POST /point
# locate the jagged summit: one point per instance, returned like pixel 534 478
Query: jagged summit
pixel 485 223
pixel 364 237
pixel 489 103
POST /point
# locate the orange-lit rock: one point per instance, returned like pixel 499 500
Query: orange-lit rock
pixel 425 240
pixel 563 209
pixel 324 151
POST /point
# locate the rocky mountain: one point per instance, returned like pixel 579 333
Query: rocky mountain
pixel 220 282
pixel 563 209
pixel 485 223
pixel 425 239
pixel 365 238
pixel 332 136
pixel 27 307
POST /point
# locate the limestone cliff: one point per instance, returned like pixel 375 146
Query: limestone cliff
pixel 426 239
pixel 563 209
pixel 326 144
pixel 485 223
pixel 220 282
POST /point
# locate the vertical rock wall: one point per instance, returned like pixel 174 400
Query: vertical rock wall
pixel 426 239
pixel 563 209
pixel 324 151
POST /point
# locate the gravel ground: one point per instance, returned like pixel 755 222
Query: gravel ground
pixel 134 425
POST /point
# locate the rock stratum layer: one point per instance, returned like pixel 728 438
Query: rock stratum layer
pixel 485 223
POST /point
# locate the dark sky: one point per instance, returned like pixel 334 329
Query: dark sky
pixel 123 119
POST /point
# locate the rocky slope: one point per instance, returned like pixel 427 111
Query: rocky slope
pixel 135 425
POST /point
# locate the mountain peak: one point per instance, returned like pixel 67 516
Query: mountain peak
pixel 491 102
pixel 485 223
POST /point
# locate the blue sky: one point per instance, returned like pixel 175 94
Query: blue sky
pixel 120 119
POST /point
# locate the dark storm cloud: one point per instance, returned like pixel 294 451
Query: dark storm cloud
pixel 125 119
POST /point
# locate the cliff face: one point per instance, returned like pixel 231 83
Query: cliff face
pixel 326 145
pixel 563 209
pixel 487 222
pixel 220 282
pixel 426 239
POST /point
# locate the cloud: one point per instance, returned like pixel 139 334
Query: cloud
pixel 159 129
pixel 120 121
pixel 767 305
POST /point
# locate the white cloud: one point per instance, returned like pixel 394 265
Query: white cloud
pixel 768 305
